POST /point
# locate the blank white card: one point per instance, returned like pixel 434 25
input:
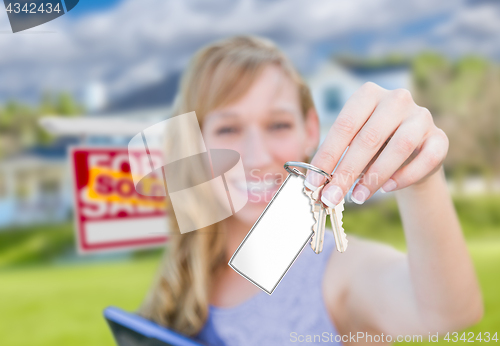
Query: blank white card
pixel 277 238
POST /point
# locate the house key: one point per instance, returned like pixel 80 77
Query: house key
pixel 282 231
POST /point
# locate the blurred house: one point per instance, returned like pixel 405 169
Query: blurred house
pixel 34 187
pixel 114 123
pixel 335 81
pixel 114 129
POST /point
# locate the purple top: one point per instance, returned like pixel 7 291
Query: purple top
pixel 294 313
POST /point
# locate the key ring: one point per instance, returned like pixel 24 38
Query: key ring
pixel 308 166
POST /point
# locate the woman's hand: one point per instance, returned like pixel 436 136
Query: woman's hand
pixel 371 118
pixel 432 288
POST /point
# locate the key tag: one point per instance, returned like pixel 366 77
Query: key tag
pixel 279 235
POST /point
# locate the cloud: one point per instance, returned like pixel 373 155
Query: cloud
pixel 468 30
pixel 473 30
pixel 137 42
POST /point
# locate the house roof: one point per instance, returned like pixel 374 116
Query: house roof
pixel 160 94
pixel 108 124
pixel 41 155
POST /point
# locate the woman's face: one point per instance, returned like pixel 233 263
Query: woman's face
pixel 267 127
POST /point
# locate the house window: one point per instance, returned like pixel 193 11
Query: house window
pixel 49 187
pixel 333 99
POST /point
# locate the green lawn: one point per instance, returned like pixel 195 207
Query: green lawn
pixel 35 244
pixel 486 255
pixel 43 304
pixel 63 305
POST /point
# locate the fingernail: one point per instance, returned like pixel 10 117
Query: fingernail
pixel 388 186
pixel 314 180
pixel 332 195
pixel 360 194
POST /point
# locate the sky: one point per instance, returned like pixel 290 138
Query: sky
pixel 86 7
pixel 127 44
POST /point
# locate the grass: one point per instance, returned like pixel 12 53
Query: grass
pixel 35 244
pixel 486 256
pixel 62 305
pixel 479 217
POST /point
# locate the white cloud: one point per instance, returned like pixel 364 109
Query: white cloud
pixel 474 30
pixel 137 42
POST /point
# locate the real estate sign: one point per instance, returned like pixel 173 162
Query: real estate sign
pixel 109 213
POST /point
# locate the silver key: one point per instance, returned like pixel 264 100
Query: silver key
pixel 319 213
pixel 338 230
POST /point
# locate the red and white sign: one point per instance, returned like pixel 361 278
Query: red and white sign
pixel 109 213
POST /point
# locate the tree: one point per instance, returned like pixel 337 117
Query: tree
pixel 464 98
pixel 19 127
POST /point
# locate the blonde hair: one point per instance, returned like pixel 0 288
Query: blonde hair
pixel 218 74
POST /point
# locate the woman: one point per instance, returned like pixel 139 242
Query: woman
pixel 249 98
